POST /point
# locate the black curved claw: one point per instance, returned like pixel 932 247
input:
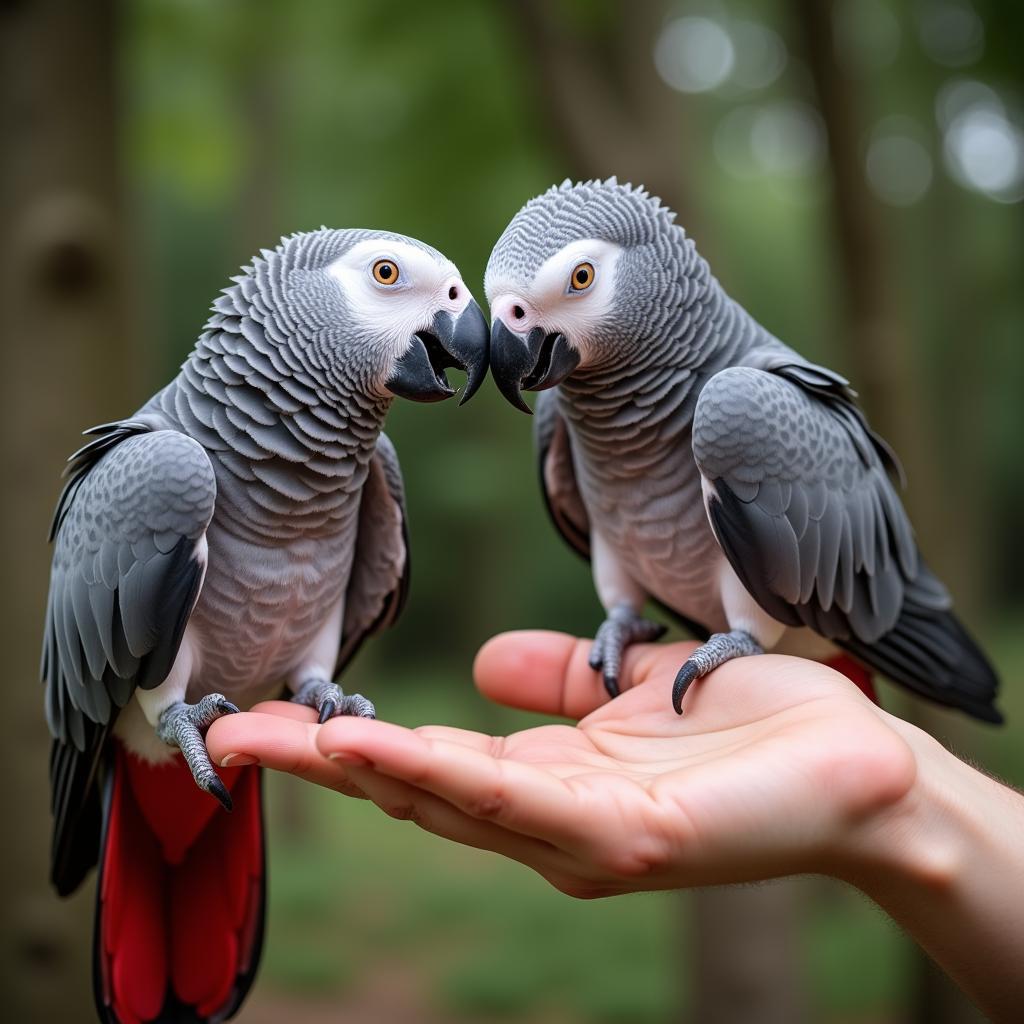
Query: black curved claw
pixel 595 660
pixel 215 787
pixel 228 708
pixel 684 678
pixel 327 710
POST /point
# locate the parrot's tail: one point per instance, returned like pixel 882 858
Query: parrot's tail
pixel 180 897
pixel 857 674
pixel 929 651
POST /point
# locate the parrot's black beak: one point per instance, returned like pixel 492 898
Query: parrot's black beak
pixel 532 363
pixel 460 343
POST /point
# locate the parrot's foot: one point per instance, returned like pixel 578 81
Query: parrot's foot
pixel 622 628
pixel 184 726
pixel 720 648
pixel 328 701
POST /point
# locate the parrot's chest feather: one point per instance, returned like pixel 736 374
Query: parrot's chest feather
pixel 262 605
pixel 651 515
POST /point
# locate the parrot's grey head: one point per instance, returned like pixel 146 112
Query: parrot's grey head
pixel 579 280
pixel 370 310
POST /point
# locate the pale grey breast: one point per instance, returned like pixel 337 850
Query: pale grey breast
pixel 654 521
pixel 261 606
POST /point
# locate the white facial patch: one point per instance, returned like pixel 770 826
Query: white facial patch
pixel 394 312
pixel 551 302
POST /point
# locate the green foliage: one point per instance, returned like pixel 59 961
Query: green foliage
pixel 856 960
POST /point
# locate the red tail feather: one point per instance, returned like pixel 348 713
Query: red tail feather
pixel 180 899
pixel 856 673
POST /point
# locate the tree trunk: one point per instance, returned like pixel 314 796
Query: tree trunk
pixel 64 369
pixel 747 955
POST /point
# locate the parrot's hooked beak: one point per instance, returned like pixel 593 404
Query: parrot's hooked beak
pixel 461 343
pixel 534 362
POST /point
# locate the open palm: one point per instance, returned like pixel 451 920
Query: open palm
pixel 774 763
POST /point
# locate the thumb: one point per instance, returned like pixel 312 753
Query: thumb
pixel 537 670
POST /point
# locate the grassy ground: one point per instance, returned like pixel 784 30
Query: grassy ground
pixel 371 919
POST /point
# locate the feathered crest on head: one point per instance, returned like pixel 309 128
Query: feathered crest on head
pixel 635 193
pixel 305 251
pixel 627 215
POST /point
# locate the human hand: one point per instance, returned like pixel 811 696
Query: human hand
pixel 778 766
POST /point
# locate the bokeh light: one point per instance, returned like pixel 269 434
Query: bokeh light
pixel 984 151
pixel 951 32
pixel 760 55
pixel 694 54
pixel 983 144
pixel 960 95
pixel 785 138
pixel 788 139
pixel 898 164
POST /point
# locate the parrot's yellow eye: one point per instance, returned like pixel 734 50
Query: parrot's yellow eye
pixel 385 272
pixel 582 277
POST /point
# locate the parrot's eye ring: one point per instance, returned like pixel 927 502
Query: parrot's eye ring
pixel 582 277
pixel 385 272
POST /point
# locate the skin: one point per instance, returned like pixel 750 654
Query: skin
pixel 780 766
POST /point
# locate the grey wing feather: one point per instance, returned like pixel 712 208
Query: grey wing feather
pixel 802 504
pixel 379 582
pixel 835 390
pixel 126 574
pixel 826 541
pixel 557 475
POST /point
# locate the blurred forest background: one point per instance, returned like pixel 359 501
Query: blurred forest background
pixel 854 172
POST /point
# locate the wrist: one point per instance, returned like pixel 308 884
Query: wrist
pixel 922 837
pixel 944 860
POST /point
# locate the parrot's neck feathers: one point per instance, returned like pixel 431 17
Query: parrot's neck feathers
pixel 291 448
pixel 649 394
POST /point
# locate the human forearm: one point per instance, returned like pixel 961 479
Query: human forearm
pixel 946 863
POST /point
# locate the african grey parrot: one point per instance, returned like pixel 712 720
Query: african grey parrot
pixel 699 461
pixel 242 533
